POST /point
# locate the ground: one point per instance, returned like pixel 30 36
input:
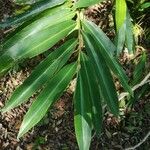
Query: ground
pixel 56 131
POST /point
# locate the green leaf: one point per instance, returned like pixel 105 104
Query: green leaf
pixel 33 11
pixel 38 42
pixel 105 49
pixel 104 76
pixel 43 72
pixel 48 96
pixel 92 91
pixel 120 39
pixel 6 63
pixel 22 2
pixel 145 5
pixel 44 20
pixel 86 3
pixel 125 36
pixel 139 70
pixel 100 36
pixel 82 117
pixel 21 47
pixel 120 14
pixel 131 1
pixel 88 110
pixel 129 34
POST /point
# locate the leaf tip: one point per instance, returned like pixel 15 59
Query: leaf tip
pixel 3 110
pixel 20 134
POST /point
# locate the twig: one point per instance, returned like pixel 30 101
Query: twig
pixel 144 139
pixel 11 29
pixel 144 81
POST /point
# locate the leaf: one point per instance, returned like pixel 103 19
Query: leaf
pixel 120 14
pixel 131 1
pixel 86 3
pixel 139 70
pixel 6 63
pixel 92 91
pixel 100 36
pixel 30 13
pixel 120 39
pixel 144 90
pixel 105 79
pixel 43 72
pixel 48 96
pixel 145 5
pixel 129 34
pixel 33 44
pixel 44 20
pixel 21 2
pixel 124 27
pixel 82 117
pixel 104 47
pixel 125 36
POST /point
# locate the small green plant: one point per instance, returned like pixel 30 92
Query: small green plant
pixel 39 28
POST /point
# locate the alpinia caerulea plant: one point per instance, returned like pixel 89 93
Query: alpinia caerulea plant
pixel 39 28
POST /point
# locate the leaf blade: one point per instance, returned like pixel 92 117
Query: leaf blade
pixel 82 118
pixel 50 94
pixel 44 71
pixel 95 32
pixel 120 14
pixel 34 44
pixel 120 39
pixel 44 20
pixel 105 79
pixel 83 3
pixel 130 42
pixel 139 69
pixel 92 88
pixel 34 10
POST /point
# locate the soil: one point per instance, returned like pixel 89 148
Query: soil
pixel 56 131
